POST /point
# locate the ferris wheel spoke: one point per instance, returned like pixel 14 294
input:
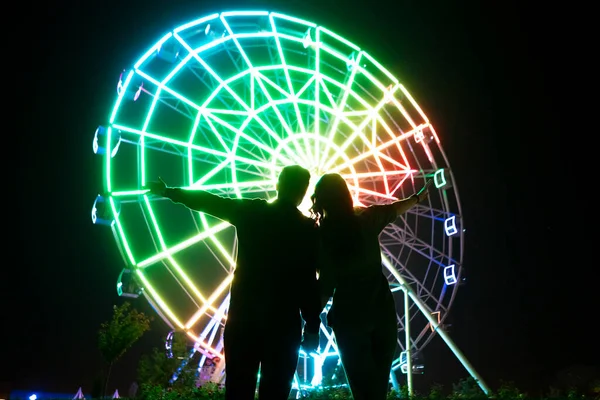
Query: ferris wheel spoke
pixel 166 139
pixel 425 249
pixel 289 84
pixel 377 150
pixel 206 137
pixel 264 90
pixel 373 111
pixel 158 299
pixel 199 182
pixel 260 75
pixel 162 86
pixel 285 121
pixel 385 180
pixel 183 245
pixel 235 40
pixel 229 256
pixel 385 177
pixel 204 347
pixel 435 265
pixel 298 158
pixel 380 174
pixel 255 163
pixel 256 150
pixel 331 343
pixel 241 134
pixel 392 132
pixel 162 97
pixel 341 105
pixel 181 275
pixel 213 297
pixel 154 144
pixel 258 185
pixel 223 84
pixel 212 327
pixel 371 192
pixel 281 150
pixel 332 103
pixel 404 272
pixel 341 114
pixel 304 159
pixel 362 116
pixel 405 114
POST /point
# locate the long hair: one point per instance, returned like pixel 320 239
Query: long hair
pixel 331 196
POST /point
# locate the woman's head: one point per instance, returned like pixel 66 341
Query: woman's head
pixel 331 197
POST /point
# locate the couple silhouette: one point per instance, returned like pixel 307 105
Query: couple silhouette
pixel 276 298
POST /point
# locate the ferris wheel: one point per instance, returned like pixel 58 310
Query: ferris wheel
pixel 222 104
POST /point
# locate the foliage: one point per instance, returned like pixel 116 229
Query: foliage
pixel 116 336
pixel 595 388
pixel 211 391
pixel 436 392
pixel 191 392
pixel 336 378
pixel 156 369
pixel 337 393
pixel 508 391
pixel 121 332
pixel 466 389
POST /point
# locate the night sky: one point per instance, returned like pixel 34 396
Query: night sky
pixel 504 86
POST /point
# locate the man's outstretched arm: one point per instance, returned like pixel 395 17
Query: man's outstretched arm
pixel 197 200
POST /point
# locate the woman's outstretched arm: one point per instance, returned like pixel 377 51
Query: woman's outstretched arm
pixel 403 205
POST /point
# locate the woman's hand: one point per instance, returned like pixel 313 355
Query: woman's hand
pixel 422 194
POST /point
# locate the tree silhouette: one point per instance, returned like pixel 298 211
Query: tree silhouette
pixel 116 336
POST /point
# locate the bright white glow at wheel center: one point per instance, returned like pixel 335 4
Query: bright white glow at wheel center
pixel 307 202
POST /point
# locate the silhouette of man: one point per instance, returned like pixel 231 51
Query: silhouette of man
pixel 274 285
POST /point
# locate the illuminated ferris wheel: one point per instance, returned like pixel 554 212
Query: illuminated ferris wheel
pixel 222 104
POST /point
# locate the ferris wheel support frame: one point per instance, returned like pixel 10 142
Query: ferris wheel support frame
pixel 410 294
pixel 168 52
pixel 409 380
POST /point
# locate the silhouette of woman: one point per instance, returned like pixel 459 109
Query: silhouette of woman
pixel 363 314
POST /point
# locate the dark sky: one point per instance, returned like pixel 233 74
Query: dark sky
pixel 504 86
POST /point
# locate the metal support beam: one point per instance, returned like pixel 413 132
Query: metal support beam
pixel 437 328
pixel 409 377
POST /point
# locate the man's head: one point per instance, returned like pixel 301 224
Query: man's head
pixel 292 184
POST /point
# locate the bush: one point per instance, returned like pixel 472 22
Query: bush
pixel 464 390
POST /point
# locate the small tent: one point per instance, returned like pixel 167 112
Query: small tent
pixel 116 394
pixel 78 395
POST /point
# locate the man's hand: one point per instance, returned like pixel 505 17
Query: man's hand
pixel 157 188
pixel 310 342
